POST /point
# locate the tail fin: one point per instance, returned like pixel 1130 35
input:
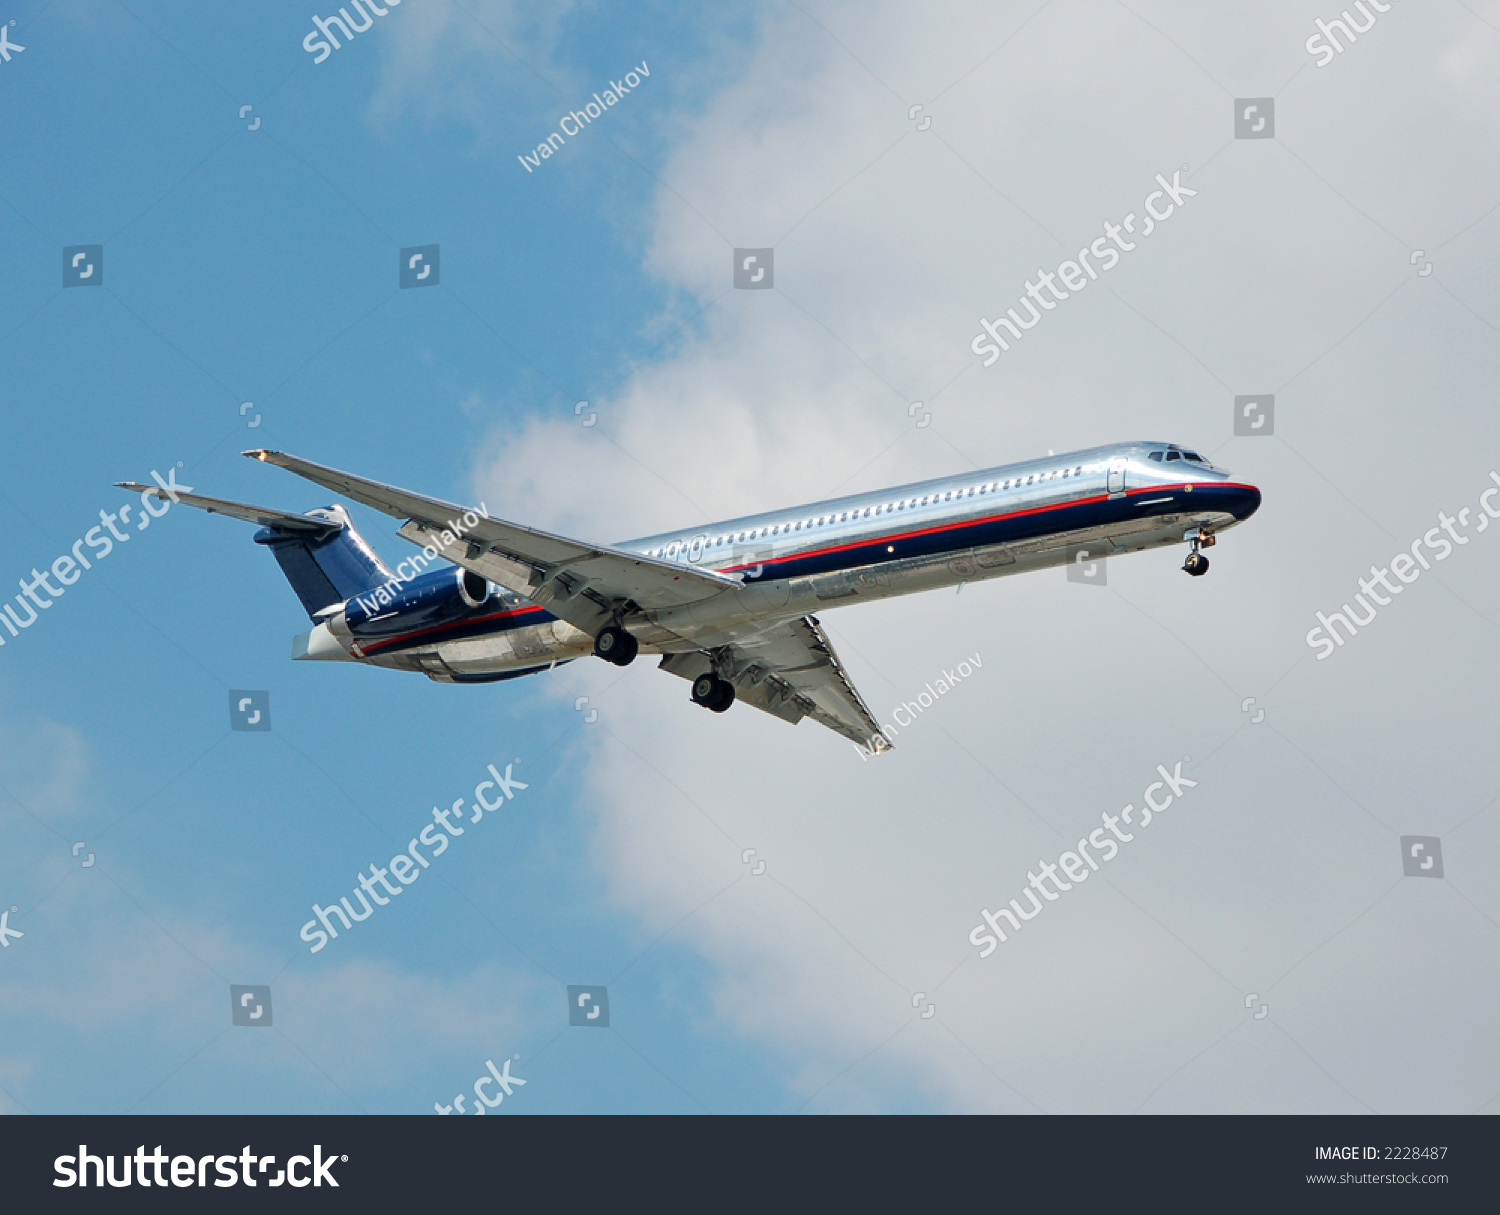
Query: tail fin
pixel 327 566
pixel 321 554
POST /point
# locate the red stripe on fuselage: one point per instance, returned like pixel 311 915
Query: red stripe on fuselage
pixel 452 624
pixel 945 527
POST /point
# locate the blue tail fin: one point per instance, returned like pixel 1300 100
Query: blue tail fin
pixel 327 568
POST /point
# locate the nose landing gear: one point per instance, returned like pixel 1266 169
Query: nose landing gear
pixel 1196 563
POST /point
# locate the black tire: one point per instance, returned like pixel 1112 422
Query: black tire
pixel 1196 565
pixel 724 699
pixel 706 690
pixel 614 644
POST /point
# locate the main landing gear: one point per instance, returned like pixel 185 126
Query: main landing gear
pixel 713 693
pixel 614 644
pixel 1196 563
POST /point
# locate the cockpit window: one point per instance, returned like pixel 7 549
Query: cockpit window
pixel 1156 455
pixel 1174 455
pixel 1194 457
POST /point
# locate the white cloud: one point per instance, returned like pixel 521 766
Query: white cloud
pixel 895 247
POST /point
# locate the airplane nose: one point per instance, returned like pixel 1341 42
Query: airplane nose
pixel 1245 503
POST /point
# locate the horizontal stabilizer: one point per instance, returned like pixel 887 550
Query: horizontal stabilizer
pixel 281 520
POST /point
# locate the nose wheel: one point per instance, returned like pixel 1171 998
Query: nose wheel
pixel 1196 563
pixel 713 693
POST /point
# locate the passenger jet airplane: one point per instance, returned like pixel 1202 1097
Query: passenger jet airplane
pixel 727 606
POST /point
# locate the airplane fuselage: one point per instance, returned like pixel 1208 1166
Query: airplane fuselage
pixel 1101 502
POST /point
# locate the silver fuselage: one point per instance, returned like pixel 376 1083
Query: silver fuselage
pixel 1103 501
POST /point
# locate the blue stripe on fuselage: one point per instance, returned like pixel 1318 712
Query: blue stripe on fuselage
pixel 937 537
pixel 931 539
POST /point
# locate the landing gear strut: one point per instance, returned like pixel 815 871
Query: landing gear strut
pixel 713 693
pixel 1196 563
pixel 614 644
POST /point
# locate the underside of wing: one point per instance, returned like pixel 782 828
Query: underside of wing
pixel 587 585
pixel 789 670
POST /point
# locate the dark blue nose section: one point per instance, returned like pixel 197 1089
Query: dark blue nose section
pixel 1244 501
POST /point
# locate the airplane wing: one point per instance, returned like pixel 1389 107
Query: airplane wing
pixel 790 670
pixel 581 583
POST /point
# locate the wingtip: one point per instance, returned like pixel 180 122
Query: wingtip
pixel 131 485
pixel 259 453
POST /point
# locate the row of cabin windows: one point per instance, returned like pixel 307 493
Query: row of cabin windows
pixel 760 533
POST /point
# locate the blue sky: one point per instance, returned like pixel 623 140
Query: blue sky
pixel 260 265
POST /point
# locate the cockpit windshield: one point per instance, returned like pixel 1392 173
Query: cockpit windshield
pixel 1177 453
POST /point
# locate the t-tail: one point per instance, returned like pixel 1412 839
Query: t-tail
pixel 327 565
pixel 359 608
pixel 327 562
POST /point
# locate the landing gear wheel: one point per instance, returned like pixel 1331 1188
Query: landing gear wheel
pixel 713 693
pixel 614 644
pixel 1196 563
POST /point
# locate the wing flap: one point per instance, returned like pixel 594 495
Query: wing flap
pixel 790 671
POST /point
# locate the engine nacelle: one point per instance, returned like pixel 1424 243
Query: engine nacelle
pixel 427 601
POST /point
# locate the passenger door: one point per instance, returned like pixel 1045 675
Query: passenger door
pixel 1116 478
